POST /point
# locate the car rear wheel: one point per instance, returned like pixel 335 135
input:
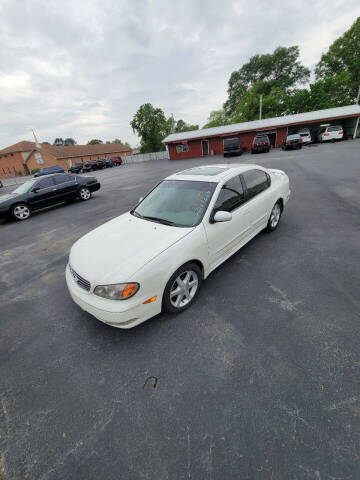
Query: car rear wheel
pixel 182 288
pixel 274 217
pixel 20 212
pixel 84 194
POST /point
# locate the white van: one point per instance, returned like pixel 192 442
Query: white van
pixel 331 133
pixel 305 135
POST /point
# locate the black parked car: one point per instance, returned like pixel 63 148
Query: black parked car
pixel 77 168
pixel 90 165
pixel 292 142
pixel 44 192
pixel 47 170
pixel 261 143
pixel 232 146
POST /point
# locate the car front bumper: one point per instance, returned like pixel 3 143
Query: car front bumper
pixel 117 313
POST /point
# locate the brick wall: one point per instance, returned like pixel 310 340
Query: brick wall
pixel 11 165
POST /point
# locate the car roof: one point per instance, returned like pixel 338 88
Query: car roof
pixel 213 173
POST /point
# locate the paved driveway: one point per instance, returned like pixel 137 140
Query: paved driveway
pixel 258 380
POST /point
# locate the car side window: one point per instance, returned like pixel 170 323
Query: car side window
pixel 58 179
pixel 256 181
pixel 45 183
pixel 231 195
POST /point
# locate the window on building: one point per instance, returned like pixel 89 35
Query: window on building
pixel 182 148
pixel 256 181
pixel 231 195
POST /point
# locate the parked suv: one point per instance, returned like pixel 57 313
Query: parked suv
pixel 76 168
pixel 292 142
pixel 232 146
pixel 47 170
pixel 305 135
pixel 117 161
pixel 261 143
pixel 331 133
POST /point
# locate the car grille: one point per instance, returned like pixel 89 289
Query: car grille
pixel 80 280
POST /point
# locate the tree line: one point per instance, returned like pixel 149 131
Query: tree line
pixel 60 142
pixel 277 77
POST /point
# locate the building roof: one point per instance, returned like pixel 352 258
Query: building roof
pixel 266 123
pixel 68 151
pixel 213 173
pixel 23 146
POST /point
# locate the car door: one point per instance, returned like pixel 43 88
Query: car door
pixel 43 193
pixel 259 201
pixel 66 187
pixel 224 238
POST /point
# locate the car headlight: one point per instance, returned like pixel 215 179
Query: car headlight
pixel 117 291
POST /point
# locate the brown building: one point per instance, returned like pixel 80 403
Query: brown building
pixel 23 157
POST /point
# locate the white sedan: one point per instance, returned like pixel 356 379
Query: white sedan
pixel 155 257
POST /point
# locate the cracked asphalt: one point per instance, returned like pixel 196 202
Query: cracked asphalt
pixel 258 380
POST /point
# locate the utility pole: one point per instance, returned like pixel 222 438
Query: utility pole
pixel 173 123
pixel 357 120
pixel 260 113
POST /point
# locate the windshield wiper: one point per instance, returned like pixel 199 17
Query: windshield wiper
pixel 159 220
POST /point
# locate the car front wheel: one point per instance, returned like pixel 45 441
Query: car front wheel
pixel 20 212
pixel 182 288
pixel 84 194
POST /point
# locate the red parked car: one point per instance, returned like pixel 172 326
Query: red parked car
pixel 261 143
pixel 117 161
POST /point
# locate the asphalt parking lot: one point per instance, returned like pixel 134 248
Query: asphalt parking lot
pixel 258 380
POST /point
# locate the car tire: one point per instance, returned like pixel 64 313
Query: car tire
pixel 275 216
pixel 20 212
pixel 84 194
pixel 176 303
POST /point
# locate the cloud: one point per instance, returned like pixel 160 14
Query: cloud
pixel 83 68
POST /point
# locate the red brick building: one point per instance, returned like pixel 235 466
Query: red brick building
pixel 198 143
pixel 23 157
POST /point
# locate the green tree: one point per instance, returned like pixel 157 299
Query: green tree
pixel 217 118
pixel 69 141
pixel 280 69
pixel 181 126
pixel 152 127
pixel 343 56
pixel 94 141
pixel 58 142
pixel 273 105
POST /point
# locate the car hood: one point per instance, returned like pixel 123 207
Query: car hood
pixel 115 251
pixel 5 198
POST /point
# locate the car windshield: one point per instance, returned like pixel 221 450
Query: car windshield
pixel 179 203
pixel 293 137
pixel 25 187
pixel 261 139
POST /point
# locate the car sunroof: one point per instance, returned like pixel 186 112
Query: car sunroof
pixel 204 171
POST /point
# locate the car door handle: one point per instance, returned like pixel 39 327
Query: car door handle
pixel 54 189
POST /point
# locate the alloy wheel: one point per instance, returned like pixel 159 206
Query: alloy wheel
pixel 21 212
pixel 85 194
pixel 184 289
pixel 275 215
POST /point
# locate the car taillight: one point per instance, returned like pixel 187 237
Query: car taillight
pixel 340 133
pixel 95 179
pixel 326 134
pixel 288 142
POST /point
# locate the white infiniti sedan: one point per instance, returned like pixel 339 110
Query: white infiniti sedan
pixel 155 257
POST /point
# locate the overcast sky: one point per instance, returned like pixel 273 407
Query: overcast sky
pixel 81 68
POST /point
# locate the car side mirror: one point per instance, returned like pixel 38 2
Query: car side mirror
pixel 36 190
pixel 222 216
